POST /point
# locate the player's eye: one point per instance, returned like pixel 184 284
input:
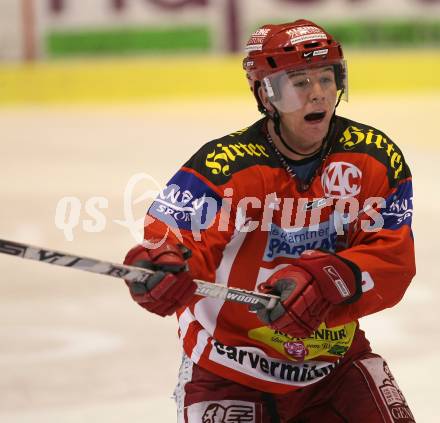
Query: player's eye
pixel 326 80
pixel 301 83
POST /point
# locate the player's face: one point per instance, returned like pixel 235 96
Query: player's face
pixel 306 100
pixel 314 100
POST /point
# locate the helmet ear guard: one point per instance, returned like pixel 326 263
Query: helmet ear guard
pixel 272 90
pixel 255 89
pixel 340 76
pixel 272 93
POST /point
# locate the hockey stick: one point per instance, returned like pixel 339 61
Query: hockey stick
pixel 130 273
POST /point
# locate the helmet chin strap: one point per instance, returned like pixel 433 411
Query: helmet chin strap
pixel 277 126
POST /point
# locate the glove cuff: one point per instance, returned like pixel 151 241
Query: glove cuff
pixel 339 279
pixel 357 279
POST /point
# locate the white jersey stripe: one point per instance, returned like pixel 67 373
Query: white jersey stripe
pixel 185 319
pixel 229 254
pixel 202 341
pixel 206 312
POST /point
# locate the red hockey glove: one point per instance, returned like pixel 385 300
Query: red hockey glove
pixel 308 289
pixel 170 287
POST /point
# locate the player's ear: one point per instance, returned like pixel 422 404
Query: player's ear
pixel 265 99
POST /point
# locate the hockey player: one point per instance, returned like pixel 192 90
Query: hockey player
pixel 304 204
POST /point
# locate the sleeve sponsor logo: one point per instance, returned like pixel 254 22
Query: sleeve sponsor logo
pixel 291 243
pixel 341 180
pixel 399 207
pixel 353 136
pixel 219 161
pixel 186 203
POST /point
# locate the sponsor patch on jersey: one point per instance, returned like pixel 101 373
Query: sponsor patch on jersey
pixel 256 363
pixel 399 207
pixel 220 160
pixel 296 349
pixel 186 203
pixel 356 138
pixel 326 341
pixel 287 243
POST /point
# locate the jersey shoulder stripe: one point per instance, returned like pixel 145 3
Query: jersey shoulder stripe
pixel 355 137
pixel 219 159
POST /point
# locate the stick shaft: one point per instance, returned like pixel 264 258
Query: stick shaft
pixel 129 273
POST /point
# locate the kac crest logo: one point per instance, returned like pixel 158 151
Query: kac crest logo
pixel 341 180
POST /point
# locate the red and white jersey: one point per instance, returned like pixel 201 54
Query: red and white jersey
pixel 239 210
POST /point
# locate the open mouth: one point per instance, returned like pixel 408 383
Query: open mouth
pixel 314 117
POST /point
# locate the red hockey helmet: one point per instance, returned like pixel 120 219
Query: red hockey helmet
pixel 279 49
